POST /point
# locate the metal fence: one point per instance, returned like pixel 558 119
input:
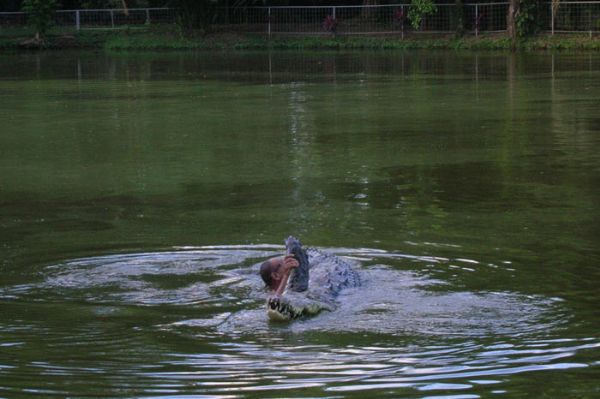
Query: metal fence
pixel 576 16
pixel 97 18
pixel 364 20
pixel 570 16
pixel 112 18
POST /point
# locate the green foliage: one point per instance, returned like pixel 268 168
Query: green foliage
pixel 101 4
pixel 196 15
pixel 566 43
pixel 168 37
pixel 171 41
pixel 6 43
pixel 526 18
pixel 40 14
pixel 126 42
pixel 419 9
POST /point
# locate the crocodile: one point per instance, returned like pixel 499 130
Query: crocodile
pixel 314 285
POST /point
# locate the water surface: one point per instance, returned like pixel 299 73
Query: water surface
pixel 139 192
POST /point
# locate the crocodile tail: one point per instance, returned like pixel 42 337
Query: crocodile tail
pixel 299 278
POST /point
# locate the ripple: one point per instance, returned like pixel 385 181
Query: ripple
pixel 191 322
pixel 223 281
pixel 351 369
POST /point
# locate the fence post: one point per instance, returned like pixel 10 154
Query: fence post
pixel 402 22
pixel 476 20
pixel 269 22
pixel 112 19
pixel 552 18
pixel 77 20
pixel 147 16
pixel 590 22
pixel 333 12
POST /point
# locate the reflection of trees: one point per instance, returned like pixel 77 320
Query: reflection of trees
pixel 376 144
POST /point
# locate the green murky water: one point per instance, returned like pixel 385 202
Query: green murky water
pixel 138 192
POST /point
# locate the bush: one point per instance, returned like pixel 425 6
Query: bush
pixel 419 9
pixel 40 14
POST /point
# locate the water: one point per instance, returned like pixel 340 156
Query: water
pixel 139 192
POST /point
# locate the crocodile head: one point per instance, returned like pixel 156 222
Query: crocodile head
pixel 300 275
pixel 293 305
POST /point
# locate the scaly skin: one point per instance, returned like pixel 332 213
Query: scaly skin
pixel 329 275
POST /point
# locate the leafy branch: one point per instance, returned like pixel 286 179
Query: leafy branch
pixel 418 10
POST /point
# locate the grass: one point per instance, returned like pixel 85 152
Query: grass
pixel 571 42
pixel 169 38
pixel 250 42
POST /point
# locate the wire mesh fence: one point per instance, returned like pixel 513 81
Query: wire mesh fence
pixel 67 20
pixel 242 19
pixel 486 17
pixel 576 17
pixel 477 18
pixel 378 19
pixel 113 18
pixel 12 19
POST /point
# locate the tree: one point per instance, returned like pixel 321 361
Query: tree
pixel 511 20
pixel 195 14
pixel 40 14
pixel 199 15
pixel 458 16
pixel 418 10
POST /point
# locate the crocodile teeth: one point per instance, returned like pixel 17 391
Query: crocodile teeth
pixel 282 308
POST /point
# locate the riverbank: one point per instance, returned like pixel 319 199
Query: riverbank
pixel 135 39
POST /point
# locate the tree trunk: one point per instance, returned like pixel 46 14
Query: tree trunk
pixel 459 17
pixel 511 21
pixel 195 15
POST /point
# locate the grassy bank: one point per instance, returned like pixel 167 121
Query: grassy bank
pixel 169 39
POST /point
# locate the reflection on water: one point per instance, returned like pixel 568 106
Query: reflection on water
pixel 297 67
pixel 212 297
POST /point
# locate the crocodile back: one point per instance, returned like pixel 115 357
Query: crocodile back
pixel 331 273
